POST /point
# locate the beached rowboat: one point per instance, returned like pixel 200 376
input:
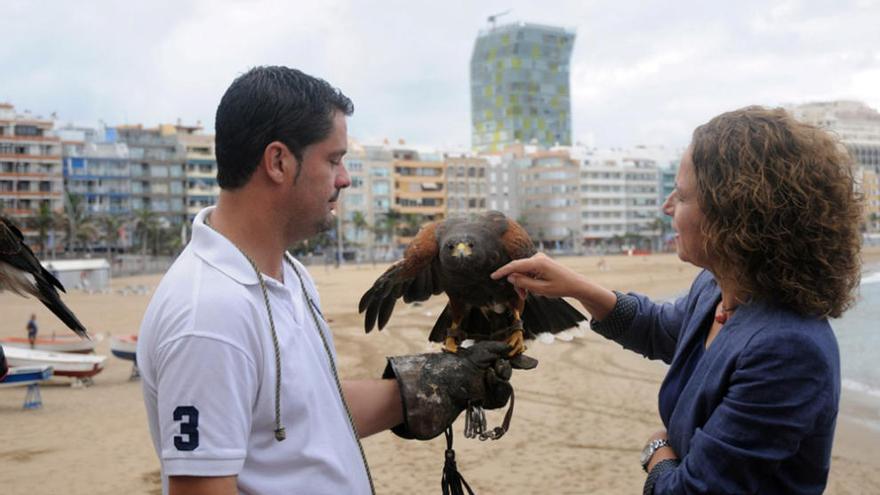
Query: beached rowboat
pixel 26 375
pixel 64 363
pixel 59 343
pixel 124 346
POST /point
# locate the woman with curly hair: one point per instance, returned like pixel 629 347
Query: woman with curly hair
pixel 767 206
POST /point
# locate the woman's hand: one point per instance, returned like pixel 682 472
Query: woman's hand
pixel 543 276
pixel 662 453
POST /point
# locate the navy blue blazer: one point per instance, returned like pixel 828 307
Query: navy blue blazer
pixel 757 413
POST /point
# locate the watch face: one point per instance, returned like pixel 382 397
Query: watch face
pixel 646 454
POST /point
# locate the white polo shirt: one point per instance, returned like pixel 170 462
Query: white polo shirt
pixel 208 371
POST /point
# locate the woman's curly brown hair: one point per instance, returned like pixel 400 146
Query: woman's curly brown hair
pixel 782 212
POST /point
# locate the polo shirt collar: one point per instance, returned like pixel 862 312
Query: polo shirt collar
pixel 219 252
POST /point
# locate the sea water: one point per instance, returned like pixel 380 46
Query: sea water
pixel 858 334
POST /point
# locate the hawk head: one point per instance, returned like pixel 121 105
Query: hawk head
pixel 465 246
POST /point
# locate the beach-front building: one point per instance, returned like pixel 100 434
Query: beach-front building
pixel 575 199
pixel 31 177
pixel 419 189
pixel 366 204
pixel 467 184
pixel 858 127
pixel 158 159
pixel 548 194
pixel 200 171
pixel 520 90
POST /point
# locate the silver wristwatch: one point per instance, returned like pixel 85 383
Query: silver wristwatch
pixel 648 451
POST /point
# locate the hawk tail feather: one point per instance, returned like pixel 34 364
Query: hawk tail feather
pixel 49 297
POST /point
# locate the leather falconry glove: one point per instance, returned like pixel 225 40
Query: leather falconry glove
pixel 436 387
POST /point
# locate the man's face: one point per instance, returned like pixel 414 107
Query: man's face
pixel 316 191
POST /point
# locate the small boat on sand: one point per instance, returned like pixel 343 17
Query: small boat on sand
pixel 64 363
pixel 26 375
pixel 55 343
pixel 124 346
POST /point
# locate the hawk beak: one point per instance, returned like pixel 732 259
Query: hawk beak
pixel 462 250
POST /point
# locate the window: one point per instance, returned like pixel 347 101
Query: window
pixel 27 130
pixel 381 187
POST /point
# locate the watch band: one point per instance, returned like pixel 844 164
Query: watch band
pixel 649 450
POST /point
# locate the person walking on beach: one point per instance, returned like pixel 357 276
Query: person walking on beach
pixel 32 330
pixel 238 364
pixel 767 206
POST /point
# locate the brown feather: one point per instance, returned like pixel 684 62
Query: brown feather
pixel 413 277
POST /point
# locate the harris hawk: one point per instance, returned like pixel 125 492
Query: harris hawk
pixel 456 256
pixel 22 273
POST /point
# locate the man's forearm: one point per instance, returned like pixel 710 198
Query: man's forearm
pixel 375 404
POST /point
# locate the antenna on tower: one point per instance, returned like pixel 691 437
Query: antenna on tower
pixel 492 18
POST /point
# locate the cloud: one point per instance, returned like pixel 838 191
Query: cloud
pixel 642 72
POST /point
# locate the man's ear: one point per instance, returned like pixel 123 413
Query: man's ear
pixel 277 160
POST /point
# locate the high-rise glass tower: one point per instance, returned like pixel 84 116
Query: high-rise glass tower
pixel 520 86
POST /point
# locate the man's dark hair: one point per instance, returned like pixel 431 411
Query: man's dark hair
pixel 271 104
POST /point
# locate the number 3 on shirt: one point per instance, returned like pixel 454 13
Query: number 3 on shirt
pixel 190 428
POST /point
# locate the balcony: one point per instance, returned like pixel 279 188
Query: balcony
pixel 203 190
pixel 32 175
pixel 200 174
pixel 36 194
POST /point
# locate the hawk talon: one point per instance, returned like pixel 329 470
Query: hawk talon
pixel 516 341
pixel 450 345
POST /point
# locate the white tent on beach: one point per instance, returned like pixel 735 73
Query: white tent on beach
pixel 87 274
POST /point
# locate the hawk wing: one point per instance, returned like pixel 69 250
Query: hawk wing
pixel 516 241
pixel 22 273
pixel 415 277
pixel 540 314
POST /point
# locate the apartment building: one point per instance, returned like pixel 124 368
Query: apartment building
pixel 467 185
pixel 549 206
pixel 858 127
pixel 158 177
pixel 620 198
pixel 520 90
pixel 200 171
pixel 366 205
pixel 419 188
pixel 97 169
pixel 31 175
pixel 503 183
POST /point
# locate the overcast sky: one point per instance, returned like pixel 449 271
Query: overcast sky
pixel 642 72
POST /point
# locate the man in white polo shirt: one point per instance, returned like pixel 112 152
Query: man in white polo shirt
pixel 238 364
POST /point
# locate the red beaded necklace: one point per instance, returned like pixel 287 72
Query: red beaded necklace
pixel 722 314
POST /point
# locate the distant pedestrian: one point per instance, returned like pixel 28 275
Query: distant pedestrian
pixel 32 330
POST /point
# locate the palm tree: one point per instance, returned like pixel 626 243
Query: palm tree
pixel 109 227
pixel 87 233
pixel 410 224
pixel 167 240
pixel 44 221
pixel 75 212
pixel 659 227
pixel 146 226
pixel 359 222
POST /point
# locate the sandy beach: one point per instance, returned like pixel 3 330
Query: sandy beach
pixel 581 417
